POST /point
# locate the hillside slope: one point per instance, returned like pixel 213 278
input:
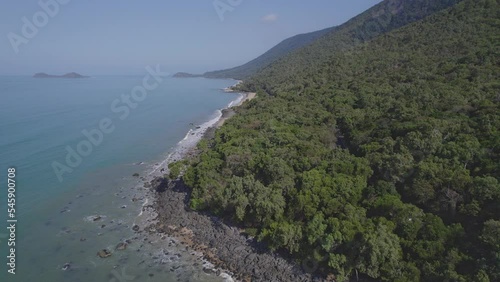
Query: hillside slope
pixel 286 46
pixel 382 18
pixel 381 161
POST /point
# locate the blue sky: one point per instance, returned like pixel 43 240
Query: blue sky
pixel 122 37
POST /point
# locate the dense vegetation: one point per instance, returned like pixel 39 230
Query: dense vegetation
pixel 382 160
pixel 384 17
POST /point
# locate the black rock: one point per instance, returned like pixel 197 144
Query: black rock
pixel 159 184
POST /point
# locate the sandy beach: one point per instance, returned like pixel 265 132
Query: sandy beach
pixel 229 112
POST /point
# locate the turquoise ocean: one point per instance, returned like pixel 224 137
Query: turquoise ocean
pixel 62 222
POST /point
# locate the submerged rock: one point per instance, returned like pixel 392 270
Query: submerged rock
pixel 121 246
pixel 65 209
pixel 66 266
pixel 94 217
pixel 104 253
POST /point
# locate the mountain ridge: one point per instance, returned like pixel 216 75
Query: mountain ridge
pixel 381 18
pixel 285 46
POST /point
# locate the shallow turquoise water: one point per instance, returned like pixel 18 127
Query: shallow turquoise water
pixel 39 118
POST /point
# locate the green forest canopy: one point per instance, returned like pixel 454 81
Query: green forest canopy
pixel 311 48
pixel 383 158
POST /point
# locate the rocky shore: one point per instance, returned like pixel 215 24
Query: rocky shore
pixel 227 247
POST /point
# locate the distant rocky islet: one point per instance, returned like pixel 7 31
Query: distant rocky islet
pixel 68 75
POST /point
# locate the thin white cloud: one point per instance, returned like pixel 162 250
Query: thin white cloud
pixel 269 18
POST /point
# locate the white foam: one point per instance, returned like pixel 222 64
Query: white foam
pixel 192 137
pixel 236 102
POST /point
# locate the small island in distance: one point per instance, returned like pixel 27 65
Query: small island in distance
pixel 68 75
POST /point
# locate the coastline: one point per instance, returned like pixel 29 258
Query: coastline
pixel 226 250
pixel 185 148
pixel 229 111
pixel 147 222
pixel 158 241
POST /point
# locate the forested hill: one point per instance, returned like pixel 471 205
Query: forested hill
pixel 384 17
pixel 278 51
pixel 381 161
